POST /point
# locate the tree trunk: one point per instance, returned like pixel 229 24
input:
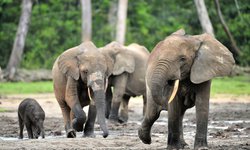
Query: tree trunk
pixel 86 20
pixel 112 18
pixel 19 43
pixel 121 23
pixel 203 17
pixel 236 50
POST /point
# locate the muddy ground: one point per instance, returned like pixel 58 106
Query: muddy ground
pixel 228 128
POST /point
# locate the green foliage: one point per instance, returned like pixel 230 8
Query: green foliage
pixel 25 87
pixel 239 85
pixel 3 110
pixel 56 26
pixel 238 22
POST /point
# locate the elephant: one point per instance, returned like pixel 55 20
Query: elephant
pixel 31 114
pixel 80 75
pixel 178 76
pixel 127 79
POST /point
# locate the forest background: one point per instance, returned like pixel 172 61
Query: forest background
pixel 56 26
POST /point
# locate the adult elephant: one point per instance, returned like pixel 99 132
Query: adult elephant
pixel 127 79
pixel 190 62
pixel 80 77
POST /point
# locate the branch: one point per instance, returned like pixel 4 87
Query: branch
pixel 236 50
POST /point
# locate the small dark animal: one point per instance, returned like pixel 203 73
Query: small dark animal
pixel 31 114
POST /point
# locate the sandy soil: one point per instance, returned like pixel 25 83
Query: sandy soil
pixel 228 128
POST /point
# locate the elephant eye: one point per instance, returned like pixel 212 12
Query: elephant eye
pixel 182 59
pixel 85 71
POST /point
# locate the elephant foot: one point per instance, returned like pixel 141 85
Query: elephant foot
pixel 202 148
pixel 71 133
pixel 183 144
pixel 123 117
pixel 78 124
pixel 89 133
pixel 144 135
pixel 200 144
pixel 176 147
pixel 122 120
pixel 170 147
pixel 113 120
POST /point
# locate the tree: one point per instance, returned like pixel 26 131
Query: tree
pixel 86 20
pixel 19 43
pixel 203 17
pixel 121 21
pixel 112 18
pixel 235 50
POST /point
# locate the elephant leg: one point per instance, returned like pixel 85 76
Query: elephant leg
pixel 21 126
pixel 119 90
pixel 89 126
pixel 124 109
pixel 183 143
pixel 72 99
pixel 78 117
pixel 144 104
pixel 29 130
pixel 151 115
pixel 108 101
pixel 202 110
pixel 175 127
pixel 70 132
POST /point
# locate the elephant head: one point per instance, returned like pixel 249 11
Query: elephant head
pixel 179 57
pixel 37 128
pixel 87 67
pixel 123 60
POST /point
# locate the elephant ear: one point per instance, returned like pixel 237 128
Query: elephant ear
pixel 68 61
pixel 179 32
pixel 124 62
pixel 110 64
pixel 212 60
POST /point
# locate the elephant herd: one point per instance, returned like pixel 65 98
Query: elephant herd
pixel 175 76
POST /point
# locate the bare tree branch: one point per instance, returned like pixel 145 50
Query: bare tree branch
pixel 235 50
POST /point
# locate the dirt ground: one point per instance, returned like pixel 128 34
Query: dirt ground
pixel 228 128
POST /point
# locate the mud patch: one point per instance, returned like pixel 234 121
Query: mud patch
pixel 228 128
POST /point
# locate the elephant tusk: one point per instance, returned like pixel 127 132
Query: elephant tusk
pixel 91 100
pixel 106 84
pixel 176 85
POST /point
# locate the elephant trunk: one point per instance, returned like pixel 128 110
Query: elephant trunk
pixel 100 107
pixel 157 83
pixel 164 82
pixel 42 130
pixel 97 83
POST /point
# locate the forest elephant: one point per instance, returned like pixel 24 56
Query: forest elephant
pixel 80 78
pixel 127 79
pixel 31 114
pixel 179 73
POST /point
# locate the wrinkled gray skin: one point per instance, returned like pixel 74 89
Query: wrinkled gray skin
pixel 194 60
pixel 74 72
pixel 127 79
pixel 31 114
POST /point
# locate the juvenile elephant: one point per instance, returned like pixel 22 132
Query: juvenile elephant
pixel 31 114
pixel 127 79
pixel 190 62
pixel 80 76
